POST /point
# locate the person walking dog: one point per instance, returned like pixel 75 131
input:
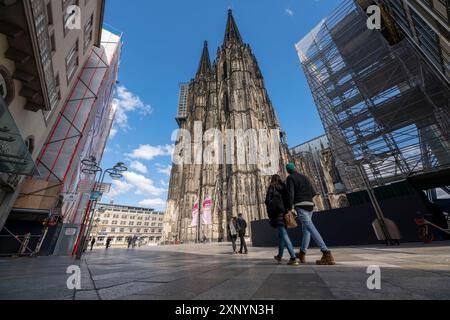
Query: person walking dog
pixel 301 193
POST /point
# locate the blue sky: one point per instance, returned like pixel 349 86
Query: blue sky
pixel 162 46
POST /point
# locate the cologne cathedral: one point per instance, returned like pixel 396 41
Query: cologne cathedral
pixel 227 94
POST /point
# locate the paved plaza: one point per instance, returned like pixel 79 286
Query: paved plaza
pixel 206 272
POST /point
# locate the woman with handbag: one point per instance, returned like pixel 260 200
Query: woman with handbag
pixel 276 200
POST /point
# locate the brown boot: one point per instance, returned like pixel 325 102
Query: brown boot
pixel 301 256
pixel 327 260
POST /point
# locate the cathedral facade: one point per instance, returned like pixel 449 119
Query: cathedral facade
pixel 228 146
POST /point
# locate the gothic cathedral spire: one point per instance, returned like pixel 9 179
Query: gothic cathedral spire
pixel 232 31
pixel 204 69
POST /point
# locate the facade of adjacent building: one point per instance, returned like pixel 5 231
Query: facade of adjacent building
pixel 123 223
pixel 35 62
pixel 64 78
pixel 383 106
pixel 427 24
pixel 315 159
pixel 227 94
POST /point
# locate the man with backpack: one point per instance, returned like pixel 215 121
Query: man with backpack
pixel 241 229
pixel 301 193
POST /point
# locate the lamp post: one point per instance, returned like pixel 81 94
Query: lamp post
pixel 373 199
pixel 90 167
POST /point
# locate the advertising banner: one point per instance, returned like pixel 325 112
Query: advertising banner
pixel 195 213
pixel 207 216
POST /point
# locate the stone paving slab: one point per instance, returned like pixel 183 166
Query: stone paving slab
pixel 211 272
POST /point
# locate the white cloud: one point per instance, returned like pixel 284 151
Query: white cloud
pixel 143 185
pixel 157 204
pixel 164 183
pixel 119 187
pixel 289 12
pixel 125 103
pixel 139 167
pixel 148 152
pixel 113 132
pixel 164 169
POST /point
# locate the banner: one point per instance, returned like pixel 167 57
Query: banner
pixel 206 216
pixel 195 213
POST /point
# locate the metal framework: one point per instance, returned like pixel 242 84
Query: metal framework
pixel 382 106
pixel 82 127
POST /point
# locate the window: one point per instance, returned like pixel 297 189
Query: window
pixel 88 32
pixel 29 142
pixel 50 13
pixel 72 62
pixel 68 15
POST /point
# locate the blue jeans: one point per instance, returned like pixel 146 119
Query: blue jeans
pixel 308 230
pixel 285 242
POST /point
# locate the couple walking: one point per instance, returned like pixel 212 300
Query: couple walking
pixel 237 228
pixel 295 196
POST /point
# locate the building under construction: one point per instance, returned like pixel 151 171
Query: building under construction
pixel 382 105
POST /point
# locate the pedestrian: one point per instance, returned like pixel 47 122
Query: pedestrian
pixel 129 240
pixel 241 229
pixel 232 231
pixel 277 199
pixel 301 193
pixel 108 243
pixel 92 243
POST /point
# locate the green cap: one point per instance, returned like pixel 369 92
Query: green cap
pixel 290 167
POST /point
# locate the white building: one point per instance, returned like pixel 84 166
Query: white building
pixel 121 223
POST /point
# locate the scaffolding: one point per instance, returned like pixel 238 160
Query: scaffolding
pixel 80 131
pixel 382 106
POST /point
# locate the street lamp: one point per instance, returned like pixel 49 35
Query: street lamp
pixel 89 166
pixel 373 199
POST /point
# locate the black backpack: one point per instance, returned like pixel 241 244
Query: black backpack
pixel 274 203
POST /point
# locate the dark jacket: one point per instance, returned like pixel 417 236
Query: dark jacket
pixel 300 189
pixel 277 199
pixel 241 226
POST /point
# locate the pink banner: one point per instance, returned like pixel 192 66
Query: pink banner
pixel 206 216
pixel 195 213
